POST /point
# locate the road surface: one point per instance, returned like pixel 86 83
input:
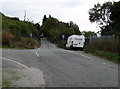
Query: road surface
pixel 65 68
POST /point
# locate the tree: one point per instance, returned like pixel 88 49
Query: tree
pixel 50 23
pixel 107 17
pixel 75 28
pixel 101 14
pixel 19 28
pixel 115 10
pixel 44 19
pixel 88 33
pixel 114 26
pixel 50 16
pixel 53 29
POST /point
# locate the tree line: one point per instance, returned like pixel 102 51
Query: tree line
pixel 15 32
pixel 54 29
pixel 107 16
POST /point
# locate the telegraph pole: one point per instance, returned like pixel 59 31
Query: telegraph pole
pixel 25 16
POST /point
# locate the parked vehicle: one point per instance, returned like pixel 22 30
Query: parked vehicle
pixel 75 42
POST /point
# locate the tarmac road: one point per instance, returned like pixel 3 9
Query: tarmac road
pixel 65 68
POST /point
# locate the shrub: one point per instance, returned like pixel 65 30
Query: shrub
pixel 27 42
pixel 61 43
pixel 7 38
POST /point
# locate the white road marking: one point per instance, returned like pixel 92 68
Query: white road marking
pixel 15 62
pixel 81 54
pixel 103 63
pixel 85 56
pixel 37 54
pixel 89 57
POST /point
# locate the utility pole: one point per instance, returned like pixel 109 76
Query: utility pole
pixel 25 16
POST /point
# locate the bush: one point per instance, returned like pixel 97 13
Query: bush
pixel 61 43
pixel 27 42
pixel 89 48
pixel 7 38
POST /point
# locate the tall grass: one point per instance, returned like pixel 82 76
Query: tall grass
pixel 107 49
pixel 10 41
pixel 107 55
pixel 7 38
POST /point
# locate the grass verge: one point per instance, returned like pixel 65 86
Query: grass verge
pixel 107 55
pixel 9 75
pixel 108 49
pixel 104 54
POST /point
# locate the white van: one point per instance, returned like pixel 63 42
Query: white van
pixel 75 42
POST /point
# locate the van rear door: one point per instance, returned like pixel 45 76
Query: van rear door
pixel 78 42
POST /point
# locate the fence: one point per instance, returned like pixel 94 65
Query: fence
pixel 96 39
pixel 106 43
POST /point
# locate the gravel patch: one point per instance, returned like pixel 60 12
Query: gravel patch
pixel 31 77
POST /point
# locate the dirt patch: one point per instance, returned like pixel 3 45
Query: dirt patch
pixel 31 77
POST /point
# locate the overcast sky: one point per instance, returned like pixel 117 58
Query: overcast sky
pixel 63 10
